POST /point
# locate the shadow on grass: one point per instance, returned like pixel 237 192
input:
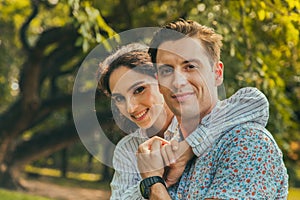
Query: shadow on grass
pixel 72 179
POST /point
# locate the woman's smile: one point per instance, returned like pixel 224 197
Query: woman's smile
pixel 137 96
pixel 141 115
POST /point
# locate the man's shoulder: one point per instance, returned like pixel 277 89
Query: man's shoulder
pixel 249 150
pixel 249 131
pixel 250 135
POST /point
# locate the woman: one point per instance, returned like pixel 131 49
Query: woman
pixel 128 77
pixel 143 104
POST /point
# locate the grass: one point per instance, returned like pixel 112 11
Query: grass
pixel 13 195
pixel 294 194
pixel 85 180
pixel 56 173
pixel 73 179
pixel 72 182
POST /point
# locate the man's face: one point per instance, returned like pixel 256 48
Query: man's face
pixel 187 79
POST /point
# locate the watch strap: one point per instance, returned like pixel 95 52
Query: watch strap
pixel 148 182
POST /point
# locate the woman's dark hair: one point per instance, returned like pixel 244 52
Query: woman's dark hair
pixel 133 56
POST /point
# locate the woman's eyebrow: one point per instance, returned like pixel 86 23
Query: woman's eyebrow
pixel 163 65
pixel 115 94
pixel 134 85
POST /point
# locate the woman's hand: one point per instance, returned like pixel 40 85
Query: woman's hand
pixel 149 158
pixel 176 155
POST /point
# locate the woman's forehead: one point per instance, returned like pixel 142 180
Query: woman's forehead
pixel 124 79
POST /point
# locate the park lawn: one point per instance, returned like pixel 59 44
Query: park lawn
pixel 13 195
pixel 294 194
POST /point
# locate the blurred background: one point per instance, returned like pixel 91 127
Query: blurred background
pixel 44 42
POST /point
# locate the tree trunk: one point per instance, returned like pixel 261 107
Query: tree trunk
pixel 9 178
pixel 106 174
pixel 90 162
pixel 64 162
pixel 41 145
pixel 46 60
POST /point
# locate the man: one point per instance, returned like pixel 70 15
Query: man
pixel 244 163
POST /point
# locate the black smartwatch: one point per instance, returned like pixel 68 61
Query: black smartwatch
pixel 148 182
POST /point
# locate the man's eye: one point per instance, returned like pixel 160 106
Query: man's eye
pixel 139 90
pixel 190 66
pixel 119 99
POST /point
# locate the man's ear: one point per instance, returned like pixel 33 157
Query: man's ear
pixel 219 69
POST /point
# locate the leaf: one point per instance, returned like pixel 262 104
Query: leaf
pixel 261 15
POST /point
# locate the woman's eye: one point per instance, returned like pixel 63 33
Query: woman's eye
pixel 139 90
pixel 119 99
pixel 165 71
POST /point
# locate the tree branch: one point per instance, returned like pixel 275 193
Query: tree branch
pixel 50 106
pixel 56 35
pixel 24 28
pixel 45 143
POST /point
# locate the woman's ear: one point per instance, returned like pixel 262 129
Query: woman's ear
pixel 219 73
pixel 156 76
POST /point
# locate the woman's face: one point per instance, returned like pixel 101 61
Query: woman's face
pixel 137 96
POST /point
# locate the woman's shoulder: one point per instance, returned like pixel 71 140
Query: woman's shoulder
pixel 131 141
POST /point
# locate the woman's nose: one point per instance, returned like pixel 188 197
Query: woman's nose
pixel 131 105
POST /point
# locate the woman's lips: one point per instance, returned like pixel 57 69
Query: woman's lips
pixel 139 116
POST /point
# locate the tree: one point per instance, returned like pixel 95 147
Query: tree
pixel 45 41
pixel 52 51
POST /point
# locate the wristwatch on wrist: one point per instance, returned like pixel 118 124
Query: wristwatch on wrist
pixel 148 182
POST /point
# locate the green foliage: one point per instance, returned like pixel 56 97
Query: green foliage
pixel 89 21
pixel 10 56
pixel 261 49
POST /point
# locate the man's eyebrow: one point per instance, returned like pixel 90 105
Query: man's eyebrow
pixel 193 60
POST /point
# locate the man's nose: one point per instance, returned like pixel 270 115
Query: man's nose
pixel 179 80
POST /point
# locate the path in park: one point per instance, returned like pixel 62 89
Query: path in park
pixel 58 192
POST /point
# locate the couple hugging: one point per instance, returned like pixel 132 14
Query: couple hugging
pixel 188 144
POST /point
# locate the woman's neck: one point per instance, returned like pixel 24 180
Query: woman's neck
pixel 161 124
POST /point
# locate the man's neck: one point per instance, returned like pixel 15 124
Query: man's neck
pixel 188 125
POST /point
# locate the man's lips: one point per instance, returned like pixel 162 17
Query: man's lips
pixel 182 96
